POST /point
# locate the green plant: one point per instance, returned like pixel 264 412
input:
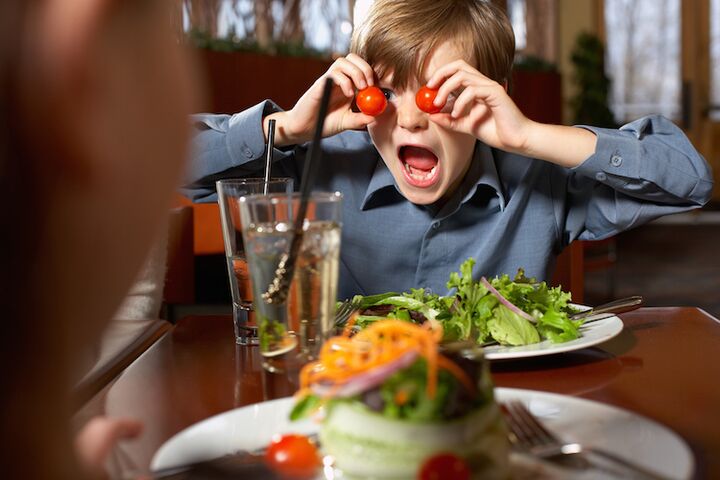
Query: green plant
pixel 533 63
pixel 590 103
pixel 202 39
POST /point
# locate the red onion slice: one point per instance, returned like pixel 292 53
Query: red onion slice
pixel 507 302
pixel 366 380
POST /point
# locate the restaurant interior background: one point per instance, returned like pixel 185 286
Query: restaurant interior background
pixel 601 62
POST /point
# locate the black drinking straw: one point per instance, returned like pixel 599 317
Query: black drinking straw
pixel 277 291
pixel 269 153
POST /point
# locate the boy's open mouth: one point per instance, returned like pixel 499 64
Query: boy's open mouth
pixel 420 165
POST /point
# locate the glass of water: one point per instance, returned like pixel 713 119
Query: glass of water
pixel 292 332
pixel 230 191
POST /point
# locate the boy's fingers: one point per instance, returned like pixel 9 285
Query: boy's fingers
pixel 352 71
pixel 343 82
pixel 464 79
pixel 364 67
pixel 457 82
pixel 448 70
pixel 471 97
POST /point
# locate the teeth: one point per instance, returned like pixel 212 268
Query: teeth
pixel 420 176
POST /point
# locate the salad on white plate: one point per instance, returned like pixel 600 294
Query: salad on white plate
pixel 510 312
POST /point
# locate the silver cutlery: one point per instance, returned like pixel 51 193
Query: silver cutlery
pixel 529 435
pixel 599 312
pixel 343 312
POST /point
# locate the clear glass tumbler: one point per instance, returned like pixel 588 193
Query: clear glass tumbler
pixel 230 191
pixel 292 332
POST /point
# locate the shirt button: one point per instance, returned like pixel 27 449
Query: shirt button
pixel 436 225
pixel 616 160
pixel 247 152
pixel 600 177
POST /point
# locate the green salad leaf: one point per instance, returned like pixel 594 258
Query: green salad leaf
pixel 521 311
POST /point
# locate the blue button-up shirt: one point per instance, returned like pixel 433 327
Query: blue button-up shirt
pixel 510 211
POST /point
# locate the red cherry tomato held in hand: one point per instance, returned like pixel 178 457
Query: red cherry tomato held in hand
pixel 424 100
pixel 293 456
pixel 444 466
pixel 371 101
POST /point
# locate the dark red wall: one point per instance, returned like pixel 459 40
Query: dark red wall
pixel 239 80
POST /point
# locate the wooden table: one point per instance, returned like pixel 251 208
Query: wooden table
pixel 663 365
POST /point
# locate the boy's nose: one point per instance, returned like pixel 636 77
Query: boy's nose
pixel 409 116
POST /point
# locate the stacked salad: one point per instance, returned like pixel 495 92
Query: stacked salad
pixel 392 401
pixel 517 311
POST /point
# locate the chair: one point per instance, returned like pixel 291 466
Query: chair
pixel 581 257
pixel 570 271
pixel 126 338
pixel 180 274
pixel 601 255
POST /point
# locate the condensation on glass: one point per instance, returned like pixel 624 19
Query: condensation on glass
pixel 643 57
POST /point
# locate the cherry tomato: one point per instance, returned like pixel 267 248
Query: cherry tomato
pixel 445 466
pixel 424 100
pixel 371 101
pixel 293 456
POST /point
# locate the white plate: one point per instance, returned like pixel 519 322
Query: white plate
pixel 591 423
pixel 591 334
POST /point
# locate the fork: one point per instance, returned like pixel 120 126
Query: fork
pixel 529 435
pixel 343 311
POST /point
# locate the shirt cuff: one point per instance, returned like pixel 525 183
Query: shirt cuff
pixel 616 155
pixel 245 137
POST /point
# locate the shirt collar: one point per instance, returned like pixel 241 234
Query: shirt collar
pixel 485 172
pixel 382 189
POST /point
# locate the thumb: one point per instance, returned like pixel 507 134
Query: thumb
pixel 444 120
pixel 355 121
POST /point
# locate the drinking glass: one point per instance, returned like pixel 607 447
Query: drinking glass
pixel 292 331
pixel 230 191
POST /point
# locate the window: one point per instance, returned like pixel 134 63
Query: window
pixel 517 12
pixel 535 25
pixel 643 57
pixel 320 25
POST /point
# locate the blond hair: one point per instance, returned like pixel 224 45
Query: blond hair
pixel 398 36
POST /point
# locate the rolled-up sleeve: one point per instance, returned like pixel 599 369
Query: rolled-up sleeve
pixel 225 145
pixel 644 170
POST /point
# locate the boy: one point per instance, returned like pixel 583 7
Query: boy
pixel 423 192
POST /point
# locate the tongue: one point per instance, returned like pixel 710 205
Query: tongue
pixel 419 158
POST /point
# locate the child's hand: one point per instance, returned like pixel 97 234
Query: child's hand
pixel 95 441
pixel 349 73
pixel 481 107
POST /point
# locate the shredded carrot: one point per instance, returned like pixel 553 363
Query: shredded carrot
pixel 342 358
pixel 401 397
pixel 349 325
